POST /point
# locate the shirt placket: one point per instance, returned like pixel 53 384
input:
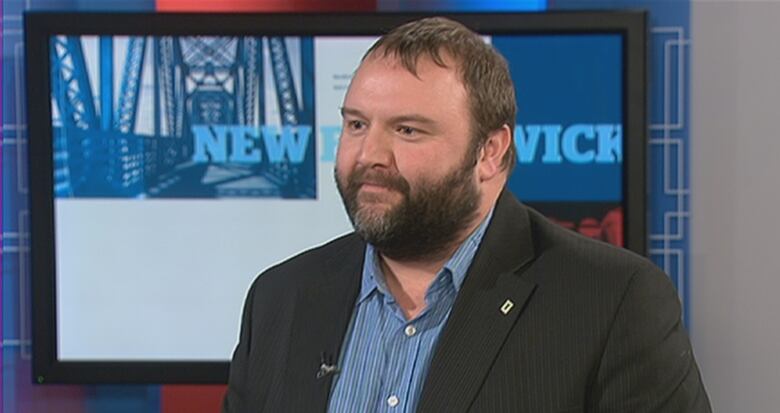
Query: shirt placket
pixel 402 349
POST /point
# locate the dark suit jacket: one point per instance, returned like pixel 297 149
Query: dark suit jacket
pixel 594 328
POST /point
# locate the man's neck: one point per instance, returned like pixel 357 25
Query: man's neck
pixel 408 282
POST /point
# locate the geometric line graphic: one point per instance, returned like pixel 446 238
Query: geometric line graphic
pixel 668 144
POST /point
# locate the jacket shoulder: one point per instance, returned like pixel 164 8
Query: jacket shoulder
pixel 594 260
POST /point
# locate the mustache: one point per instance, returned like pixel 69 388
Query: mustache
pixel 365 175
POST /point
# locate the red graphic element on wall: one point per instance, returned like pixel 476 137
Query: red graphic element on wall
pixel 191 398
pixel 609 228
pixel 265 5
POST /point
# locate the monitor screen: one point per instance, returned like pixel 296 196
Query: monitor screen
pixel 174 157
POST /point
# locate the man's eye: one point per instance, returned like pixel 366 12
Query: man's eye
pixel 356 125
pixel 407 130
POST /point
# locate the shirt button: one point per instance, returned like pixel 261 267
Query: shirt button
pixel 410 330
pixel 392 401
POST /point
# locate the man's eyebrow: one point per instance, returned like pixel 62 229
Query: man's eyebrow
pixel 396 119
pixel 413 118
pixel 349 111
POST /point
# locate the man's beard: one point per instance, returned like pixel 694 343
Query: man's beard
pixel 425 223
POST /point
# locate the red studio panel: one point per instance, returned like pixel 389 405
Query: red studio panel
pixel 191 398
pixel 265 5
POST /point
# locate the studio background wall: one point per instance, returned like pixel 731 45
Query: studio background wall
pixel 735 196
pixel 730 318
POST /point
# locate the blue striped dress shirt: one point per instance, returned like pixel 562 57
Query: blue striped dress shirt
pixel 385 357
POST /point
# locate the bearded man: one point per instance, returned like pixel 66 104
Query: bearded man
pixel 451 296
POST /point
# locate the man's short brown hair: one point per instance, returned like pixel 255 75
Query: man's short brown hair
pixel 483 71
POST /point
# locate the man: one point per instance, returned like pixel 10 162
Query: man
pixel 451 296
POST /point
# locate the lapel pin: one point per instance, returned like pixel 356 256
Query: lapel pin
pixel 507 307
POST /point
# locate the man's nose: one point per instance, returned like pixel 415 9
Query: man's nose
pixel 376 148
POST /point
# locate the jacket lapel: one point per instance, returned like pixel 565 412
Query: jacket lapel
pixel 322 313
pixel 491 298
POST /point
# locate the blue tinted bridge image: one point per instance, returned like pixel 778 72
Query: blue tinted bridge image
pixel 124 111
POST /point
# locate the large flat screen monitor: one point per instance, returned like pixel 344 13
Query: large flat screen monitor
pixel 173 157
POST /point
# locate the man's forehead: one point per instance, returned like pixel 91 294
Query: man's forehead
pixel 384 88
pixel 411 63
pixel 389 74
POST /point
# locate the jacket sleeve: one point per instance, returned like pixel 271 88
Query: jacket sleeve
pixel 648 363
pixel 235 400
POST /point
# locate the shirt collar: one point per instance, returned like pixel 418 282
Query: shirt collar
pixel 457 265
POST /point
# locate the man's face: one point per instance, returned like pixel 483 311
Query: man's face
pixel 405 163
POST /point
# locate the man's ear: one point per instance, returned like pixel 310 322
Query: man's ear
pixel 491 155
